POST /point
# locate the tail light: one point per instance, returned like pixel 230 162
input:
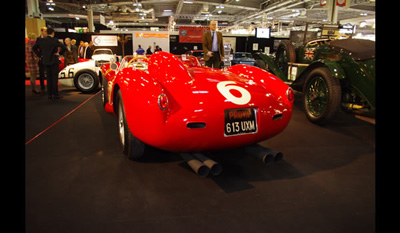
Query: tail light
pixel 290 94
pixel 163 101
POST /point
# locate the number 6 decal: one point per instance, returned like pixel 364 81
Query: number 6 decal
pixel 225 87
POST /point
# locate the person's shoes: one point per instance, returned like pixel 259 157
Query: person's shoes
pixel 58 97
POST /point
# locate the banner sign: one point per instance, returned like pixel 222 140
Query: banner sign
pixel 105 40
pixel 150 38
pixel 192 34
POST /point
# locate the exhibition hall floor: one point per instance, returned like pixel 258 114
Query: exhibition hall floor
pixel 78 180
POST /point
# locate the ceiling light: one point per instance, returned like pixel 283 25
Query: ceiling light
pixel 167 10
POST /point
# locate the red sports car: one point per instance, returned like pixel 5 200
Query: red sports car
pixel 173 103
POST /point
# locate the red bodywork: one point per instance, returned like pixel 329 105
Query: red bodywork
pixel 197 97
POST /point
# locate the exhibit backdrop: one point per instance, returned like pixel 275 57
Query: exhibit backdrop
pixel 150 38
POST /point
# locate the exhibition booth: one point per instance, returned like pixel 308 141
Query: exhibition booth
pixel 278 136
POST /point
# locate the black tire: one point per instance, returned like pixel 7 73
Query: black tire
pixel 86 81
pixel 104 91
pixel 285 53
pixel 260 64
pixel 322 96
pixel 131 146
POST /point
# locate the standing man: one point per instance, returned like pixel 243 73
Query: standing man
pixel 71 53
pixel 81 49
pixel 213 46
pixel 43 34
pixel 47 49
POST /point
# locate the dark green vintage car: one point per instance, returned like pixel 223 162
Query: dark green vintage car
pixel 332 74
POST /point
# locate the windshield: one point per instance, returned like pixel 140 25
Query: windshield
pixel 139 62
pixel 189 60
pixel 102 51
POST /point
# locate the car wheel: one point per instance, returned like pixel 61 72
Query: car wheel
pixel 131 146
pixel 260 64
pixel 104 91
pixel 322 96
pixel 285 53
pixel 86 82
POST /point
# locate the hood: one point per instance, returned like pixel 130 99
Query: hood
pixel 102 57
pixel 82 65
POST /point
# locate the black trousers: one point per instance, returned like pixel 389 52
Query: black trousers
pixel 52 79
pixel 214 61
pixel 41 74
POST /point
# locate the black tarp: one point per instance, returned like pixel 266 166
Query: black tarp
pixel 357 48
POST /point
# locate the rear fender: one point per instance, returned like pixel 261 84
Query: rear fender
pixel 264 78
pixel 106 71
pixel 140 94
pixel 335 69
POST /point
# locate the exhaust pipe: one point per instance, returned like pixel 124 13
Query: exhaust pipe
pixel 215 168
pixel 198 167
pixel 266 155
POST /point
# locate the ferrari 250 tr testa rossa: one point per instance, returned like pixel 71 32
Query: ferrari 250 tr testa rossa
pixel 173 103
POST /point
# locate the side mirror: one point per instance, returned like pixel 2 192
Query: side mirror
pixel 113 65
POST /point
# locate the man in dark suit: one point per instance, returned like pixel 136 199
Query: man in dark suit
pixel 43 34
pixel 47 49
pixel 213 46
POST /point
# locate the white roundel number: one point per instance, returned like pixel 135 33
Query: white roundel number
pixel 225 87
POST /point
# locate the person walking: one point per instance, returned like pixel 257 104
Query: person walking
pixel 213 46
pixel 32 61
pixel 47 49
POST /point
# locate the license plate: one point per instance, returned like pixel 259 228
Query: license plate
pixel 240 121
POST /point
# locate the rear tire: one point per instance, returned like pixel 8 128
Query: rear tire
pixel 86 81
pixel 131 146
pixel 260 64
pixel 322 96
pixel 285 53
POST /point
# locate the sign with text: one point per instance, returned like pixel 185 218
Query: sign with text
pixel 192 34
pixel 105 40
pixel 150 38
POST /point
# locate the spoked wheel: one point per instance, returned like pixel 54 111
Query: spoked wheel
pixel 322 95
pixel 86 82
pixel 131 146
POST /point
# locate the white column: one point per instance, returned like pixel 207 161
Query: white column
pixel 90 19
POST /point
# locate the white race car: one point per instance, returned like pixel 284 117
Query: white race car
pixel 85 75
